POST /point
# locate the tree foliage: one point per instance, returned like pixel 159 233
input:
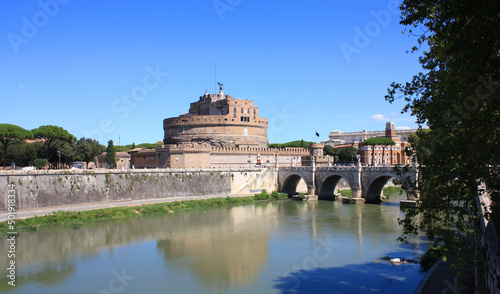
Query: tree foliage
pixel 111 155
pixel 342 155
pixel 378 141
pixel 53 137
pixel 348 155
pixel 88 149
pixel 12 134
pixel 40 163
pixel 458 96
pixel 295 144
pixel 23 153
pixel 125 148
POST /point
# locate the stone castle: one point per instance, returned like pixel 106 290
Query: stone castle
pixel 220 121
pixel 220 131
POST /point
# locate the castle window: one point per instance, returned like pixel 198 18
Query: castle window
pixel 242 110
pixel 235 110
pixel 245 118
pixel 254 111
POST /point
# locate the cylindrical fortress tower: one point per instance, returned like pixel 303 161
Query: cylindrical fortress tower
pixel 219 120
pixel 316 149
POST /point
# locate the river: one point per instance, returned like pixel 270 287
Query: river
pixel 272 247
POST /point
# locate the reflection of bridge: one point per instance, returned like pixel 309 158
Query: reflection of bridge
pixel 365 181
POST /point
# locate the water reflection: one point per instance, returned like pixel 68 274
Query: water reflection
pixel 222 254
pixel 242 248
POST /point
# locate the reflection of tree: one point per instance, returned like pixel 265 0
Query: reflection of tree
pixel 46 274
pixel 222 255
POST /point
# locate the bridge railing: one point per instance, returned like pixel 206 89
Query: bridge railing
pixel 295 168
pixel 341 167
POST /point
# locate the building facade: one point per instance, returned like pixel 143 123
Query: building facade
pixel 339 138
pixel 385 155
pixel 122 160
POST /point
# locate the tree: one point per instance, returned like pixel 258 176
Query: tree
pixel 330 151
pixel 420 148
pixel 378 141
pixel 68 152
pixel 133 145
pixel 458 96
pixel 10 135
pixel 53 137
pixel 23 153
pixel 295 144
pixel 110 155
pixel 40 163
pixel 87 150
pixel 348 155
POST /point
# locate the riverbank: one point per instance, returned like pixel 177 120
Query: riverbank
pixel 89 213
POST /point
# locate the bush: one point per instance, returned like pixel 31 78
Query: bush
pixel 40 163
pixel 430 257
pixel 276 196
pixel 261 196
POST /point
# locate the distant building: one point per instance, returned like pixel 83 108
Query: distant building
pixel 143 158
pixel 122 160
pixel 386 155
pixel 341 138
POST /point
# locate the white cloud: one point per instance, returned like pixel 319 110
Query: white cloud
pixel 403 128
pixel 379 117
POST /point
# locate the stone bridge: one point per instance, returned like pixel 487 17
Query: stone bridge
pixel 365 181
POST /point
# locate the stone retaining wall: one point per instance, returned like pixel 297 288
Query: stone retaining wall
pixel 487 268
pixel 39 189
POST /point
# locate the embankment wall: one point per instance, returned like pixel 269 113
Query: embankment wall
pixel 41 189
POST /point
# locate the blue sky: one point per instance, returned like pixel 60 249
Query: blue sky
pixel 116 69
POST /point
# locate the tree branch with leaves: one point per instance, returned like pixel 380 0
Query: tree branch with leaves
pixel 457 95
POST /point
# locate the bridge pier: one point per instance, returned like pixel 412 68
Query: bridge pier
pixel 357 192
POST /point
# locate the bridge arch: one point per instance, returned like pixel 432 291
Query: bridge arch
pixel 291 183
pixel 375 188
pixel 329 186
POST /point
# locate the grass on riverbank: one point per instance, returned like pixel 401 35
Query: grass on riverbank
pixel 387 191
pixel 78 217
